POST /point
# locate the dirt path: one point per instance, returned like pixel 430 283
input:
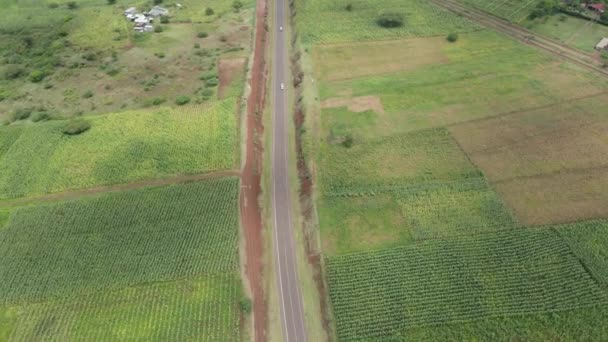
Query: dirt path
pixel 68 195
pixel 251 218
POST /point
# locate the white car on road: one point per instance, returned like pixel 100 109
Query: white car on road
pixel 282 86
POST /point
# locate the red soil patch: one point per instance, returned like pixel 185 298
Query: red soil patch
pixel 251 218
pixel 228 70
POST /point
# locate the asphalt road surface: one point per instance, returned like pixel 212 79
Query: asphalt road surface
pixel 290 294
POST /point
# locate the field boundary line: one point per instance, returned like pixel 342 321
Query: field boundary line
pixel 526 110
pixel 572 171
pixel 74 194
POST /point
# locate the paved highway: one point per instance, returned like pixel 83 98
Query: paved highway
pixel 290 294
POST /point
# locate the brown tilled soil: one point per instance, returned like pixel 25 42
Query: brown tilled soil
pixel 251 217
pixel 228 70
pixel 356 104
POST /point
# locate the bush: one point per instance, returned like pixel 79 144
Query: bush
pixel 21 114
pixel 212 82
pixel 76 126
pixel 197 45
pixel 160 54
pixel 157 101
pixel 13 71
pixel 158 2
pixel 37 76
pixel 245 305
pixel 40 116
pixel 182 100
pixel 158 28
pixel 563 17
pixel 237 5
pixel 209 11
pixel 53 5
pixel 164 19
pixel 87 94
pixel 202 34
pixel 111 2
pixel 72 4
pixel 452 37
pixel 348 141
pixel 389 20
pixel 349 7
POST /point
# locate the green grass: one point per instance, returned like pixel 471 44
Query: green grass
pixel 380 294
pixel 486 75
pixel 391 163
pixel 589 241
pixel 8 138
pixel 588 324
pixel 120 148
pixel 513 10
pixel 321 21
pixel 576 32
pixel 203 309
pixel 119 239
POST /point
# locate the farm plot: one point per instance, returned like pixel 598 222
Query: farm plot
pixel 549 163
pixel 588 324
pixel 393 162
pixel 118 240
pixel 589 241
pixel 322 21
pixel 513 10
pixel 410 213
pixel 579 33
pixel 119 148
pixel 485 75
pixel 204 309
pixel 377 295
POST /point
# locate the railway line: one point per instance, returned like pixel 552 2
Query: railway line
pixel 525 36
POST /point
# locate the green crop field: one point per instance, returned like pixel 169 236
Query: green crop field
pixel 321 21
pixel 513 10
pixel 152 264
pixel 589 241
pixel 433 160
pixel 380 294
pixel 119 148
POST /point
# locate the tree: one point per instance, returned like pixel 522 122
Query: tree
pixel 158 28
pixel 209 11
pixel 158 2
pixel 237 5
pixel 72 5
pixel 164 19
pixel 111 2
pixel 349 7
pixel 452 37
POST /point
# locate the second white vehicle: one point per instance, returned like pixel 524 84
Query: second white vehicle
pixel 282 86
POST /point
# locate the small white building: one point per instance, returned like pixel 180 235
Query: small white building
pixel 141 20
pixel 158 11
pixel 130 11
pixel 602 45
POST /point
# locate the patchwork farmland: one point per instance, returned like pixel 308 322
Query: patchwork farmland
pixel 119 166
pixel 459 182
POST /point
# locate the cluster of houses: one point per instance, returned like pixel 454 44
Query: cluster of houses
pixel 143 21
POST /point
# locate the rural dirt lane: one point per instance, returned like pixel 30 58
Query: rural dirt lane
pixel 290 294
pixel 527 37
